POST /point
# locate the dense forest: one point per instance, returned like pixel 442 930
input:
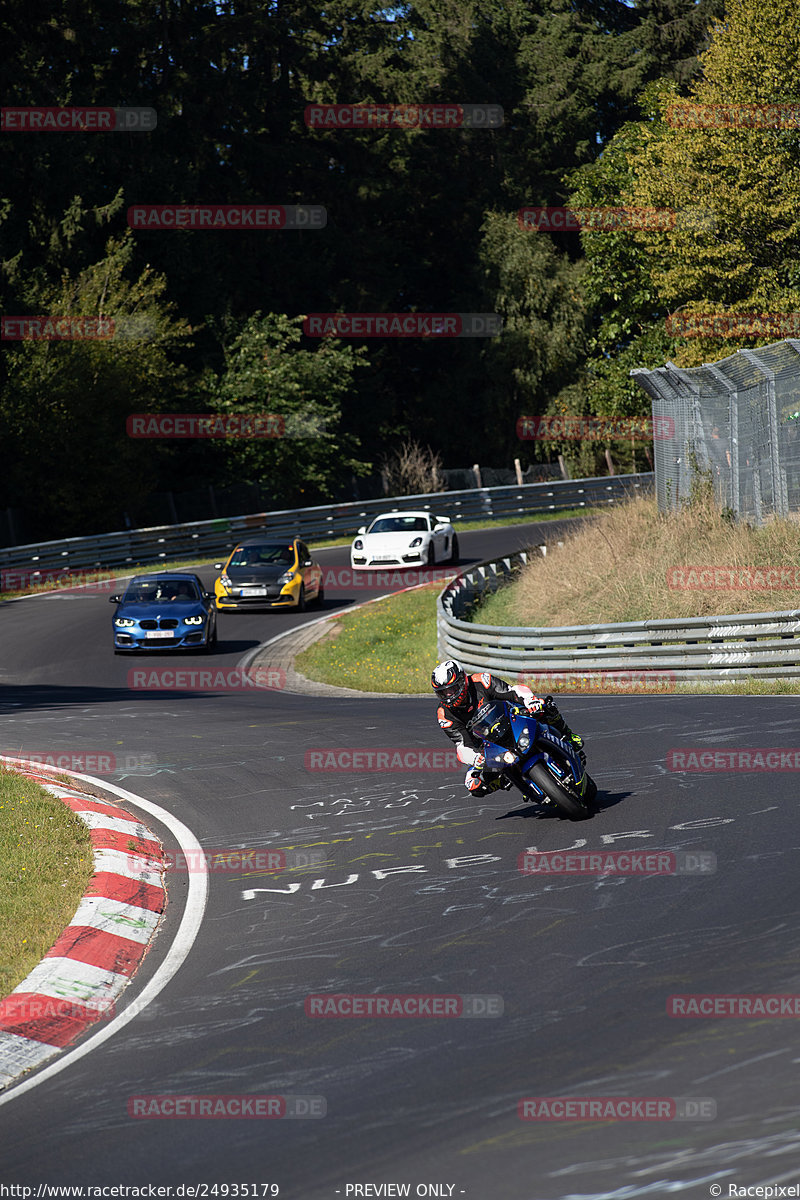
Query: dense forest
pixel 419 220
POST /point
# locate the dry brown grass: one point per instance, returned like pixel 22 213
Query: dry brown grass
pixel 615 568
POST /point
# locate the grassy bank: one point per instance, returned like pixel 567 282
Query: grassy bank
pixel 390 646
pixel 386 646
pixel 45 864
pixel 632 564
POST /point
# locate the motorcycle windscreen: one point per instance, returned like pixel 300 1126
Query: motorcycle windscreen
pixel 491 723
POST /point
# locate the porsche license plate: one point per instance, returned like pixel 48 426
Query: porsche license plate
pixel 159 633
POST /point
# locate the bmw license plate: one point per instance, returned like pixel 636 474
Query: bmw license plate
pixel 253 591
pixel 159 633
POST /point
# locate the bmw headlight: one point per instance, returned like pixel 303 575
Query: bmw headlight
pixel 358 544
pixel 124 622
pixel 193 620
pixel 524 740
pixel 416 542
pixel 509 758
pixel 286 577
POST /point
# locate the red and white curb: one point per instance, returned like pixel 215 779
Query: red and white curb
pixel 89 966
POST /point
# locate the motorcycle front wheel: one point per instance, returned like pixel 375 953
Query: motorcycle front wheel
pixel 565 795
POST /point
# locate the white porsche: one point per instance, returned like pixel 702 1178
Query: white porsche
pixel 397 539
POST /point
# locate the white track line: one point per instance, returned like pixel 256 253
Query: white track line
pixel 182 943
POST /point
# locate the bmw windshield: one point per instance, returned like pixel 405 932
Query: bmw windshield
pixel 161 591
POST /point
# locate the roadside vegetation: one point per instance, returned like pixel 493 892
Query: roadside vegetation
pixel 628 563
pixel 633 564
pixel 45 864
pixel 387 646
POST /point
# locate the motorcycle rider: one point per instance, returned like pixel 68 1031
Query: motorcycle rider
pixel 461 695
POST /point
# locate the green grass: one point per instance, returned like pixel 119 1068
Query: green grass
pixel 390 646
pixel 45 864
pixel 744 687
pixel 387 646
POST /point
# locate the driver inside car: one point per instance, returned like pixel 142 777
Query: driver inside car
pixel 461 695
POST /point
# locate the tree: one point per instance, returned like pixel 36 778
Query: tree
pixel 537 291
pixel 745 255
pixel 64 404
pixel 266 372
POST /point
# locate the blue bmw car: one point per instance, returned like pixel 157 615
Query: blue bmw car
pixel 169 611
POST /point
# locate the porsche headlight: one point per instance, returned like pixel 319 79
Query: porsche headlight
pixel 193 620
pixel 416 542
pixel 358 544
pixel 124 622
pixel 286 577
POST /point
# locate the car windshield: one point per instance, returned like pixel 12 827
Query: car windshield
pixel 491 722
pixel 260 556
pixel 399 525
pixel 159 591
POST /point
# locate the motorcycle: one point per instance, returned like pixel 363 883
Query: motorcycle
pixel 540 763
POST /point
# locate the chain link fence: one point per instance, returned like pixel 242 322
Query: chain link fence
pixel 739 420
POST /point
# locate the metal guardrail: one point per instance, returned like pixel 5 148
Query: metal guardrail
pixel 686 648
pixel 218 537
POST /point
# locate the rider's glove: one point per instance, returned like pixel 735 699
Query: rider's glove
pixel 478 762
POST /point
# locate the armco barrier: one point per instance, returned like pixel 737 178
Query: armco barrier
pixel 219 537
pixel 690 648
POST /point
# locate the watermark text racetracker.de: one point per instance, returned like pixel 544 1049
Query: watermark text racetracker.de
pixel 57 579
pixel 390 1006
pixel 723 758
pixel 734 579
pixel 738 1006
pixel 389 758
pixel 239 859
pixel 58 327
pixel 345 579
pixel 205 425
pixel 183 679
pixel 75 119
pixel 557 219
pixel 610 681
pixel 240 217
pixel 569 428
pixel 92 762
pixel 244 1107
pixel 422 116
pixel 617 862
pixel 616 1108
pixel 402 325
pixel 733 325
pixel 734 116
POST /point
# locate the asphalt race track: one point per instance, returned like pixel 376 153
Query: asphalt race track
pixel 420 892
